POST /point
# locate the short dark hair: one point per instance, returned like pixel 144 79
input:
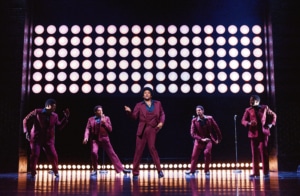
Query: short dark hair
pixel 256 97
pixel 149 89
pixel 50 102
pixel 200 106
pixel 96 107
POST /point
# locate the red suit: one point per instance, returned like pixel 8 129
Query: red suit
pixel 146 131
pixel 259 134
pixel 42 135
pixel 97 131
pixel 200 129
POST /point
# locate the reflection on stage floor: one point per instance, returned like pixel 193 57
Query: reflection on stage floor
pixel 175 182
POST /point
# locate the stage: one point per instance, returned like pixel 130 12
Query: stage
pixel 175 182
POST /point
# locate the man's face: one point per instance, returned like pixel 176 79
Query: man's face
pixel 199 112
pixel 147 95
pixel 253 102
pixel 99 112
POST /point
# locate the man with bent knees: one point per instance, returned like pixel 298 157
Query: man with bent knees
pixel 42 123
pixel 205 132
pixel 97 129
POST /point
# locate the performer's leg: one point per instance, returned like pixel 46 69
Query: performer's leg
pixel 52 156
pixel 255 156
pixel 34 157
pixel 94 154
pixel 152 149
pixel 207 156
pixel 197 149
pixel 111 154
pixel 264 153
pixel 139 149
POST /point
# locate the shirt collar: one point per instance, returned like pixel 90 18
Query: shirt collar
pixel 256 106
pixel 152 101
pixel 204 117
pixel 44 111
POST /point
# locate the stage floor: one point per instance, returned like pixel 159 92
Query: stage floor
pixel 175 182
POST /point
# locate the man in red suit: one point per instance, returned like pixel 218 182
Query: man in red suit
pixel 97 129
pixel 259 119
pixel 151 118
pixel 39 126
pixel 205 131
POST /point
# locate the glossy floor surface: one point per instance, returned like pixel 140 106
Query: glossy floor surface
pixel 174 182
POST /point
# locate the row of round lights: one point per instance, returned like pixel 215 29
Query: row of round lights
pixel 147 29
pixel 151 166
pixel 160 88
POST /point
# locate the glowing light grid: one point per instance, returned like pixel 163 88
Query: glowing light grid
pixel 171 59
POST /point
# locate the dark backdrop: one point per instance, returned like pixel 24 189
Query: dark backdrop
pixel 284 17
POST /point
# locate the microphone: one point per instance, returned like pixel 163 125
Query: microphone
pixel 193 116
pixel 235 117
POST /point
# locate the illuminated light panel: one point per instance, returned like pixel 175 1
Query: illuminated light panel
pixel 181 59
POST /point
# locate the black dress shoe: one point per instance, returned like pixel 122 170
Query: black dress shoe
pixel 93 173
pixel 160 174
pixel 254 176
pixel 189 173
pixel 32 174
pixel 126 171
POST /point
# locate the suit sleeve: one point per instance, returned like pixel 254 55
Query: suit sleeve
pixel 107 124
pixel 193 131
pixel 162 114
pixel 217 129
pixel 272 115
pixel 135 113
pixel 245 118
pixel 88 129
pixel 61 123
pixel 28 121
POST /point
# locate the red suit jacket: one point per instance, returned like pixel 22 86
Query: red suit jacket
pixel 42 126
pixel 139 112
pixel 210 130
pixel 266 116
pixel 92 132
